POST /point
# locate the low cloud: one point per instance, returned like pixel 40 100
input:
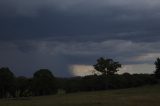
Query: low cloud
pixel 28 56
pixel 147 57
pixel 82 70
pixel 137 68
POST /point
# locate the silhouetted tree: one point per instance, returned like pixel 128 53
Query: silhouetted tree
pixel 107 66
pixel 157 65
pixel 23 86
pixel 43 82
pixel 6 82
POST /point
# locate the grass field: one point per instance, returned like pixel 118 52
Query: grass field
pixel 142 96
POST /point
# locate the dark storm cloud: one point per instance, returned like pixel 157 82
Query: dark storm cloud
pixel 124 19
pixel 56 34
pixel 27 56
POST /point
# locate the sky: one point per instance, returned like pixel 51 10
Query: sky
pixel 68 36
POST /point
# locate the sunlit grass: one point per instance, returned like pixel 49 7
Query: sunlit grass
pixel 142 96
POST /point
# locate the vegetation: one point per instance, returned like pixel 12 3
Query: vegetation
pixel 43 81
pixel 6 82
pixel 141 96
pixel 23 86
pixel 107 66
pixel 157 64
pixel 94 82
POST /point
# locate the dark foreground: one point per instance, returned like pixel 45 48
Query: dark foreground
pixel 142 96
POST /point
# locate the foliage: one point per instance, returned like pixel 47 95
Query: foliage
pixel 157 65
pixel 43 82
pixel 23 86
pixel 107 66
pixel 6 82
pixel 95 82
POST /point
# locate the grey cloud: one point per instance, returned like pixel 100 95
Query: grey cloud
pixel 59 33
pixel 90 48
pixel 23 6
pixel 59 55
pixel 107 19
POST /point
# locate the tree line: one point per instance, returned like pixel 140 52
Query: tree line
pixel 44 82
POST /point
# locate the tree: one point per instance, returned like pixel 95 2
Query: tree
pixel 43 82
pixel 6 82
pixel 23 86
pixel 107 66
pixel 157 71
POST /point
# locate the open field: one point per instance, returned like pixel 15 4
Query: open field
pixel 142 96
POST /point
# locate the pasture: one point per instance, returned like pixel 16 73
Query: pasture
pixel 141 96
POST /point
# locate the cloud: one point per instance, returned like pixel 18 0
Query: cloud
pixel 137 68
pixel 147 57
pixel 73 19
pixel 63 56
pixel 82 70
pixel 119 48
pixel 30 6
pixel 60 33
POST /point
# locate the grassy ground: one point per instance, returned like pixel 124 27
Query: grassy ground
pixel 143 96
